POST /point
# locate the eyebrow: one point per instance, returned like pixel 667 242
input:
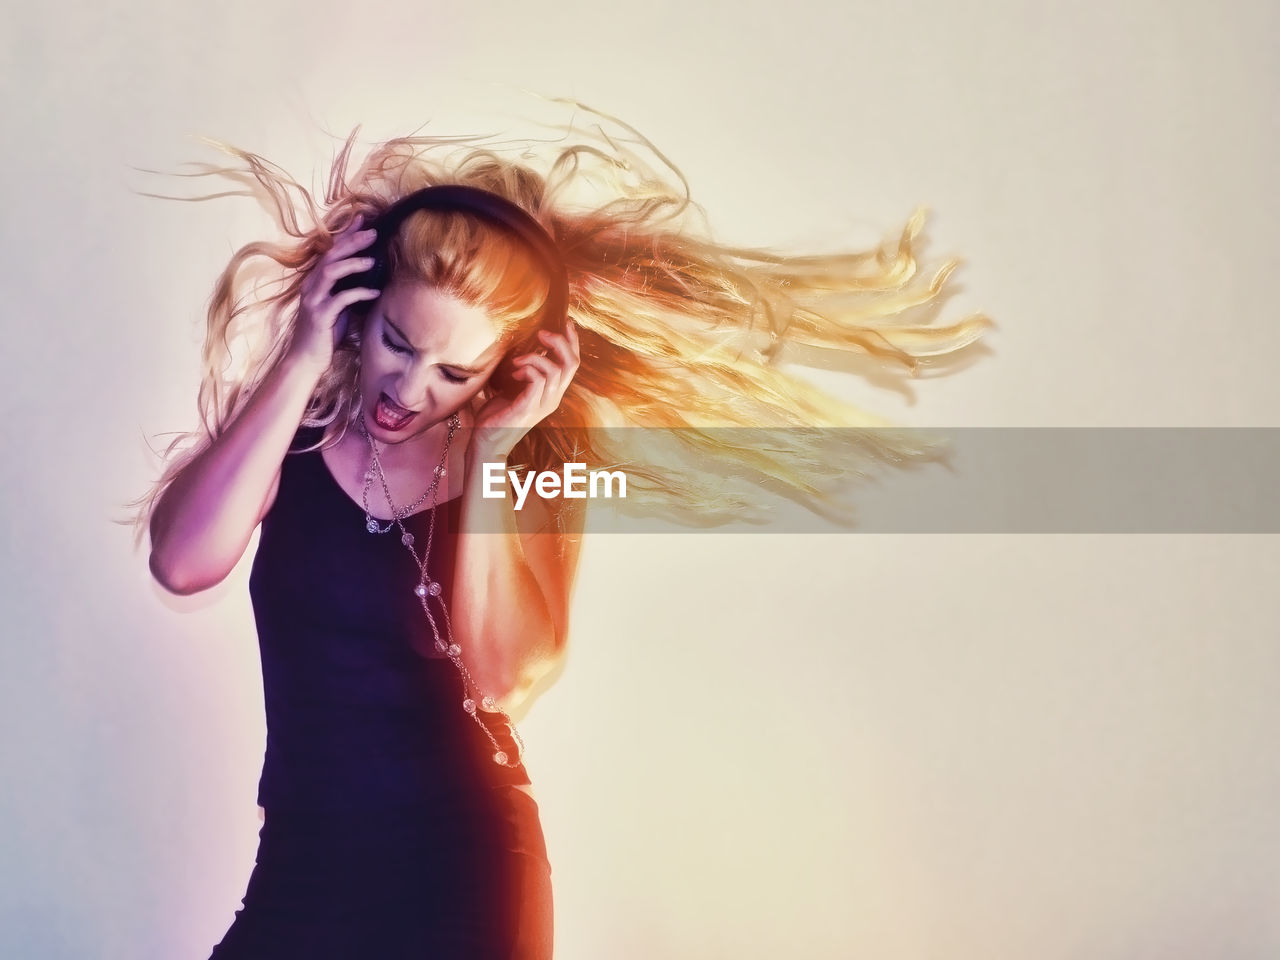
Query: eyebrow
pixel 453 366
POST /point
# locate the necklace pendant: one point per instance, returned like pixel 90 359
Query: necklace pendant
pixel 420 590
pixel 372 526
pixel 406 538
pixel 500 757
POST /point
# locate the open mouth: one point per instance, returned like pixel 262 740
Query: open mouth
pixel 391 416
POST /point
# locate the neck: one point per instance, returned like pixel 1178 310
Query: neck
pixel 416 455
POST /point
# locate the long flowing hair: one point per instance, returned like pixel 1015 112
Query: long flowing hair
pixel 680 335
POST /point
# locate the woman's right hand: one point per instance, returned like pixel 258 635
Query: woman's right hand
pixel 321 314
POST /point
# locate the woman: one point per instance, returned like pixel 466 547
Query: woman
pixel 432 316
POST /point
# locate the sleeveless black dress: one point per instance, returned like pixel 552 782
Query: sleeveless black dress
pixel 389 831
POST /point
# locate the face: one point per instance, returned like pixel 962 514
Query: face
pixel 424 354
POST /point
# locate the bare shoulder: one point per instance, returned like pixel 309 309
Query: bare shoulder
pixel 559 515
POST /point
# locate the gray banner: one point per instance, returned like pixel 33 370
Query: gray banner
pixel 975 480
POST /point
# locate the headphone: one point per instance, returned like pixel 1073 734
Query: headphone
pixel 497 210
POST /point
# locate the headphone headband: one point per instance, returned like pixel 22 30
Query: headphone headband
pixel 458 197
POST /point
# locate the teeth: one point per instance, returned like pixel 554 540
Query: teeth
pixel 390 415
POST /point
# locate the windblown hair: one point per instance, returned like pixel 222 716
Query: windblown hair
pixel 677 332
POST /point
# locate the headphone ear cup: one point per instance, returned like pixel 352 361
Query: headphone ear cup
pixel 375 278
pixel 380 272
pixel 501 380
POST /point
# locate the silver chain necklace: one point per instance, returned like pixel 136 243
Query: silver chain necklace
pixel 427 588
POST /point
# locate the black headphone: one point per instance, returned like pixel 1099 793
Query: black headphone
pixel 496 209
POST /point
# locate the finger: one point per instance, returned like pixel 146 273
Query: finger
pixel 346 298
pixel 539 384
pixel 336 258
pixel 530 395
pixel 535 361
pixel 543 368
pixel 560 344
pixel 353 242
pixel 575 345
pixel 558 376
pixel 353 227
pixel 336 269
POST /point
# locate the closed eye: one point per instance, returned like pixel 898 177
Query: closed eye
pixel 392 346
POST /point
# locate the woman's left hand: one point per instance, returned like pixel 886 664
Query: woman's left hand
pixel 505 417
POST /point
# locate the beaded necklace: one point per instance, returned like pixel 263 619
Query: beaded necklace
pixel 428 589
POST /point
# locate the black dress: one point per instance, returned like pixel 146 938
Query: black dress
pixel 389 831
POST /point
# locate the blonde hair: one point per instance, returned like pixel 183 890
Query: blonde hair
pixel 677 332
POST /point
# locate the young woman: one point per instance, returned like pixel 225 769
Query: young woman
pixel 431 315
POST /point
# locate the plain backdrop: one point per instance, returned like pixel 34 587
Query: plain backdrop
pixel 895 747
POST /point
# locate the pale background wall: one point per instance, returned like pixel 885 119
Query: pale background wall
pixel 875 746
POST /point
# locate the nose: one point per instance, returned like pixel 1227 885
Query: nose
pixel 411 386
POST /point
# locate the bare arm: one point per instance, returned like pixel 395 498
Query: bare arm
pixel 205 518
pixel 512 588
